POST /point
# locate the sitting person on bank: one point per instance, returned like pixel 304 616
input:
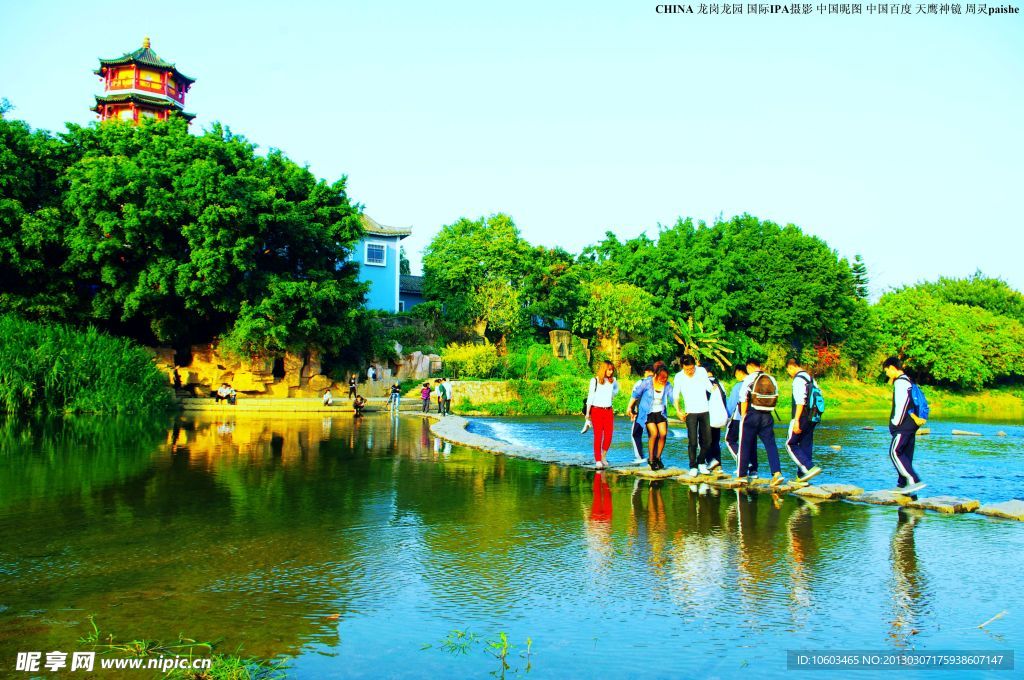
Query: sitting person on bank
pixel 328 397
pixel 221 394
pixel 232 396
pixel 359 404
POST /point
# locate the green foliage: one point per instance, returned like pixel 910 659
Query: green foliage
pixel 58 368
pixel 470 360
pixel 475 268
pixel 531 360
pixel 614 309
pixel 960 345
pixel 703 345
pixel 977 290
pixel 169 237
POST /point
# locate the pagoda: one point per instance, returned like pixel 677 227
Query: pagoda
pixel 141 85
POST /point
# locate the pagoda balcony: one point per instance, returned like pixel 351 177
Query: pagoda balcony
pixel 147 86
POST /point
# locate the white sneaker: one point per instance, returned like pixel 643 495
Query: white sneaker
pixel 693 472
pixel 703 469
pixel 914 488
pixel 639 459
pixel 713 465
pixel 586 426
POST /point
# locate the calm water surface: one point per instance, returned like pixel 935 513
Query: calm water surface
pixel 353 548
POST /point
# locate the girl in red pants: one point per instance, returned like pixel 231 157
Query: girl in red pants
pixel 603 388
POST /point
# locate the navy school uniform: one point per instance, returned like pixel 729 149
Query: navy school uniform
pixel 756 425
pixel 801 446
pixel 904 433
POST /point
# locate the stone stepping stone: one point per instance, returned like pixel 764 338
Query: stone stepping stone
pixel 1000 434
pixel 836 447
pixel 868 427
pixel 965 433
pixel 923 431
pixel 883 498
pixel 1007 509
pixel 827 491
pixel 946 504
pixel 728 483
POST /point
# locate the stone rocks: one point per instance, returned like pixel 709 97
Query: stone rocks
pixel 826 491
pixel 561 344
pixel 1000 434
pixel 945 504
pixel 1008 510
pixel 882 498
pixel 868 427
pixel 965 433
pixel 415 366
pixel 318 383
pixel 836 447
pixel 923 431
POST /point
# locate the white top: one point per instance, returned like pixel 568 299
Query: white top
pixel 602 395
pixel 693 391
pixel 801 381
pixel 900 399
pixel 658 405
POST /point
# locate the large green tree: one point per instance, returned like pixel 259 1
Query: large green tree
pixel 170 237
pixel 476 268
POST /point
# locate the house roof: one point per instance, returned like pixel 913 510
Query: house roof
pixel 143 100
pixel 410 284
pixel 371 226
pixel 147 57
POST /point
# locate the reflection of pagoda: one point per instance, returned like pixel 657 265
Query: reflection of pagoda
pixel 139 85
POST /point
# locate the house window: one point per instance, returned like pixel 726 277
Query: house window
pixel 401 305
pixel 376 254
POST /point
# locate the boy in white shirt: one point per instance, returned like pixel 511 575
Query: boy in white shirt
pixel 692 387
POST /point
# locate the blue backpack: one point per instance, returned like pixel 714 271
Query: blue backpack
pixel 918 402
pixel 815 400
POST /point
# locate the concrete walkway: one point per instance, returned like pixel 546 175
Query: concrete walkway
pixel 286 405
pixel 453 429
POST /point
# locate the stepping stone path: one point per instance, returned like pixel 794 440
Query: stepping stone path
pixel 923 431
pixel 827 491
pixel 946 504
pixel 1008 509
pixel 965 433
pixel 882 498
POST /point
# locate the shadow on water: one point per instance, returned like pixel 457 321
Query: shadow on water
pixel 358 544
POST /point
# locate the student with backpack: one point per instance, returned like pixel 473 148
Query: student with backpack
pixel 732 428
pixel 603 388
pixel 757 399
pixel 808 405
pixel 909 412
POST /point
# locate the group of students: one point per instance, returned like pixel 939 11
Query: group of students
pixel 746 415
pixel 442 392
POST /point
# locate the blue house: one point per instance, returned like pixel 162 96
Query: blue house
pixel 378 254
pixel 410 291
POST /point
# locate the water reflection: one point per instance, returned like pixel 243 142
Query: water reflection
pixel 909 604
pixel 287 535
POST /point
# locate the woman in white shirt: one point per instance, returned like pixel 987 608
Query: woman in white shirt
pixel 603 388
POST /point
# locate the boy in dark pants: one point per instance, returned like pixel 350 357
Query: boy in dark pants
pixel 757 423
pixel 732 432
pixel 800 441
pixel 903 426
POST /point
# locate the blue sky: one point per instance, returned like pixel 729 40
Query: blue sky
pixel 900 138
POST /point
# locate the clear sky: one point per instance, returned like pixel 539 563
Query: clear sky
pixel 897 137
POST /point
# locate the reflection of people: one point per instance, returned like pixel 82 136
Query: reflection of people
pixel 395 399
pixel 359 404
pixel 908 583
pixel 601 505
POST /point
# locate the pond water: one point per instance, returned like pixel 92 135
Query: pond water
pixel 353 548
pixel 989 468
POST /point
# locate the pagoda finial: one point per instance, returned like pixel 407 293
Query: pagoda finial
pixel 145 42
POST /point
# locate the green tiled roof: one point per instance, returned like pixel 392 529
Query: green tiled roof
pixel 147 57
pixel 140 99
pixel 370 226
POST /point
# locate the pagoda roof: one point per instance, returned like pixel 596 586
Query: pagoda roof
pixel 143 100
pixel 146 57
pixel 371 226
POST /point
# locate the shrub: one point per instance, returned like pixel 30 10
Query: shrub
pixel 471 360
pixel 58 368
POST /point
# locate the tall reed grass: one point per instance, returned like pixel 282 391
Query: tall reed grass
pixel 58 368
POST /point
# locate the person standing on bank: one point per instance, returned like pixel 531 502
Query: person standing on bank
pixel 800 439
pixel 652 397
pixel 447 386
pixel 425 397
pixel 758 397
pixel 692 387
pixel 903 426
pixel 636 432
pixel 352 381
pixel 603 388
pixel 732 430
